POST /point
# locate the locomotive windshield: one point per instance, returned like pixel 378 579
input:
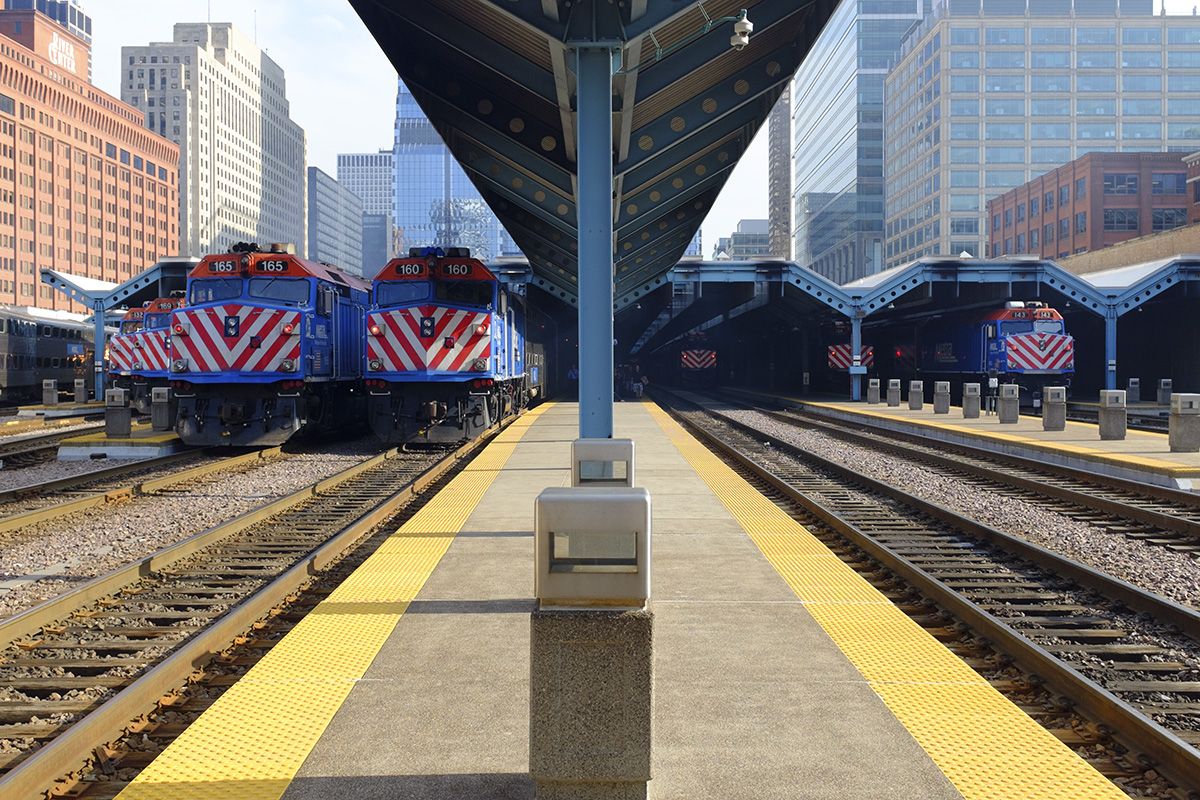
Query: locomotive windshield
pixel 212 290
pixel 395 293
pixel 1034 326
pixel 291 291
pixel 157 321
pixel 464 293
pixel 131 326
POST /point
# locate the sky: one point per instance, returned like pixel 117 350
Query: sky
pixel 341 87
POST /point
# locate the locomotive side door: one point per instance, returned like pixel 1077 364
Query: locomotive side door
pixel 323 333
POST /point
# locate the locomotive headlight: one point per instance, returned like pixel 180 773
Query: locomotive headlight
pixel 288 365
pixel 375 365
pixel 288 328
pixel 179 365
pixel 479 365
pixel 480 329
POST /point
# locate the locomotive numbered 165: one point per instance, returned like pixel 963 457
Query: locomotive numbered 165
pixel 446 354
pixel 269 346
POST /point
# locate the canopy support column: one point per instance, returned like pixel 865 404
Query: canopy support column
pixel 1110 349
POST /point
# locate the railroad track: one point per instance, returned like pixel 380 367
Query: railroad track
pixel 1125 658
pixel 22 451
pixel 80 669
pixel 1138 422
pixel 1155 515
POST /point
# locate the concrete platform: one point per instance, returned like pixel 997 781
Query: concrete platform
pixel 1142 456
pixel 62 411
pixel 143 443
pixel 411 679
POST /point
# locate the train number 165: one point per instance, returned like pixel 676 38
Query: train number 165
pixel 272 266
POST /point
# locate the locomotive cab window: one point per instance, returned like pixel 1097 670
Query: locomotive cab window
pixel 464 293
pixel 395 293
pixel 291 291
pixel 212 290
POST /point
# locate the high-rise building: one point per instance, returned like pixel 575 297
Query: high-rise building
pixel 1193 165
pixel 436 204
pixel 751 240
pixel 779 176
pixel 982 102
pixel 242 158
pixel 84 187
pixel 695 246
pixel 1096 201
pixel 69 14
pixel 335 223
pixel 837 142
pixel 371 177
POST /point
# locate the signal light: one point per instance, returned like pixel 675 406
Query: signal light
pixel 180 329
pixel 480 330
pixel 482 383
pixel 374 329
pixel 288 328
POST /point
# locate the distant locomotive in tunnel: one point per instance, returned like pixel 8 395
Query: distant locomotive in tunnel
pixel 697 363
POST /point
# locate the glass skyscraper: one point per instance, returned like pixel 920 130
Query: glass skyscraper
pixel 436 204
pixel 837 141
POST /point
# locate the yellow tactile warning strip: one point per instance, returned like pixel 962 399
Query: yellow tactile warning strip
pixel 251 742
pixel 1158 440
pixel 986 746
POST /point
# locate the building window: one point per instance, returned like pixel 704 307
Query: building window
pixel 1164 219
pixel 1121 220
pixel 1121 183
pixel 1008 218
pixel 1064 229
pixel 1033 239
pixel 1064 195
pixel 1080 188
pixel 1081 222
pixel 1020 243
pixel 1033 207
pixel 996 222
pixel 1048 201
pixel 1020 212
pixel 1168 183
pixel 1048 233
pixel 1005 36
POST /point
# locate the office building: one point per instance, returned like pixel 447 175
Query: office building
pixel 371 178
pixel 837 142
pixel 242 158
pixel 695 246
pixel 779 176
pixel 751 240
pixel 84 187
pixel 69 15
pixel 1096 201
pixel 436 204
pixel 979 104
pixel 1193 165
pixel 335 223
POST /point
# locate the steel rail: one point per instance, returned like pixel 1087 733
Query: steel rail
pixel 1172 755
pixel 75 746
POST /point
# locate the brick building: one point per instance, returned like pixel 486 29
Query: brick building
pixel 84 187
pixel 1090 203
pixel 1193 164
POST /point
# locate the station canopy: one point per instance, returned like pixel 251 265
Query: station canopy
pixel 495 78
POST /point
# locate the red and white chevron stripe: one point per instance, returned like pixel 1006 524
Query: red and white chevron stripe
pixel 839 356
pixel 399 346
pixel 1039 352
pixel 260 346
pixel 121 354
pixel 698 359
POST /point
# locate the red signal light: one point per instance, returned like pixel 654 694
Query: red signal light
pixel 480 330
pixel 288 328
pixel 180 330
pixel 374 329
pixel 899 353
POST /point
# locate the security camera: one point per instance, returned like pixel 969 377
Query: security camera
pixel 739 40
pixel 742 28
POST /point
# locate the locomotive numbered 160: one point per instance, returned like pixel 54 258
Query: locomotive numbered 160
pixel 269 346
pixel 139 355
pixel 446 354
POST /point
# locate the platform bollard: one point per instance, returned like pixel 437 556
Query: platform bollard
pixel 1134 390
pixel 162 408
pixel 1054 409
pixel 971 400
pixel 1114 415
pixel 893 395
pixel 118 416
pixel 916 395
pixel 50 392
pixel 1009 406
pixel 941 397
pixel 1165 391
pixel 81 392
pixel 873 391
pixel 1184 422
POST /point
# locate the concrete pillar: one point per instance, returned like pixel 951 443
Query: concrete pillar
pixel 162 408
pixel 1114 414
pixel 971 398
pixel 1134 390
pixel 118 416
pixel 1184 431
pixel 916 395
pixel 1164 391
pixel 81 392
pixel 50 392
pixel 1054 409
pixel 893 394
pixel 941 397
pixel 873 391
pixel 1009 404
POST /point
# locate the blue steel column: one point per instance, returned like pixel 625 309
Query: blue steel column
pixel 100 340
pixel 1110 349
pixel 855 357
pixel 594 154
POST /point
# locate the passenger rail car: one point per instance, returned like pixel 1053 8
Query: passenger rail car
pixel 269 346
pixel 446 355
pixel 139 355
pixel 37 346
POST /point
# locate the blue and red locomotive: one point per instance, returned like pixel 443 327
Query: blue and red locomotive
pixel 446 355
pixel 139 354
pixel 270 345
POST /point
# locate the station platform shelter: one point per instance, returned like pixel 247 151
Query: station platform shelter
pixel 778 671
